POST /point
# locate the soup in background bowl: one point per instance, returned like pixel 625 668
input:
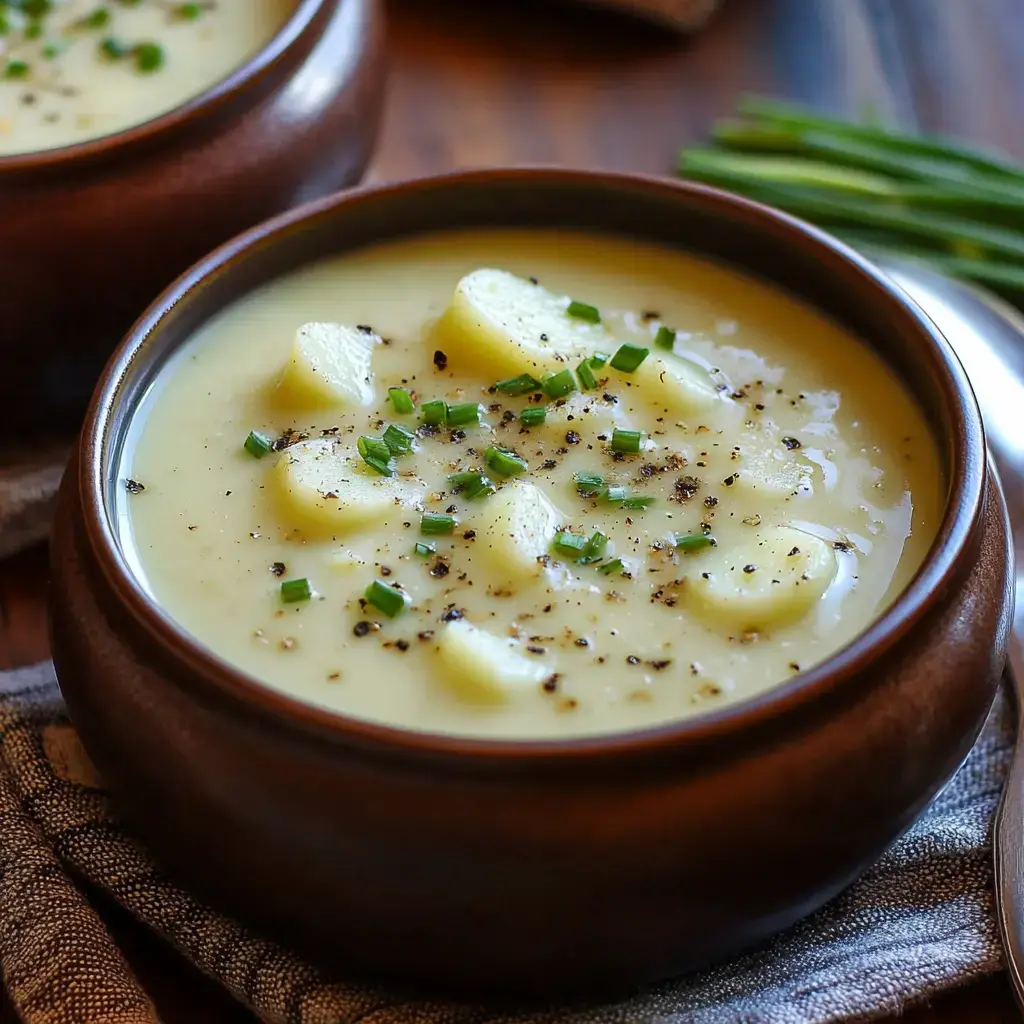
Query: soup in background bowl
pixel 586 521
pixel 469 824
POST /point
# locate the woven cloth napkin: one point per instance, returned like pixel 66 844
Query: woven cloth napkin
pixel 918 922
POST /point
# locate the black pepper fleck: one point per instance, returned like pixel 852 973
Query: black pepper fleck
pixel 362 628
pixel 440 360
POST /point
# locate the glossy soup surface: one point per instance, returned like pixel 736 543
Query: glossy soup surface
pixel 786 487
pixel 83 69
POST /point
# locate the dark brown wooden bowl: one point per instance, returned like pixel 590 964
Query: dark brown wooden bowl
pixel 534 867
pixel 91 232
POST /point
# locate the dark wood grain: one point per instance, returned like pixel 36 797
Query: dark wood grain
pixel 488 82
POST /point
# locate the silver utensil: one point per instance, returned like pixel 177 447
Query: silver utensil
pixel 988 336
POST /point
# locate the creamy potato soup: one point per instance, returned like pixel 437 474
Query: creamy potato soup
pixel 525 484
pixel 72 70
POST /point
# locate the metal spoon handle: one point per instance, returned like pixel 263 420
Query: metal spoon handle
pixel 1009 839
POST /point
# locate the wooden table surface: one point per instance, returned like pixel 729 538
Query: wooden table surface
pixel 503 81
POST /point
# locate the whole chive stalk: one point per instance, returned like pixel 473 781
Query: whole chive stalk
pixel 258 445
pixel 424 550
pixel 502 462
pixel 434 413
pixel 474 485
pixel 584 311
pixel 628 358
pixel 385 598
pixel 436 524
pixel 690 543
pixel 376 454
pixel 558 385
pixel 534 416
pixel 627 440
pixel 588 485
pixel 293 591
pixel 401 401
pixel 615 565
pixel 585 372
pixel 464 413
pixel 398 439
pixel 665 338
pixel 521 385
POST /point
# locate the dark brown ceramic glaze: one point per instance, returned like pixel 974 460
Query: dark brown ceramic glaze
pixel 551 866
pixel 89 234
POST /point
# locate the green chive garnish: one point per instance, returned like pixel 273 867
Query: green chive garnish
pixel 460 415
pixel 691 542
pixel 615 565
pixel 584 311
pixel 424 550
pixel 401 401
pixel 534 416
pixel 588 485
pixel 594 550
pixel 638 502
pixel 598 359
pixel 257 444
pixel 436 524
pixel 376 454
pixel 571 545
pixel 188 12
pixel 558 385
pixel 665 338
pixel 616 493
pixel 114 49
pixel 398 439
pixel 99 18
pixel 586 375
pixel 520 385
pixel 627 440
pixel 629 357
pixel 386 598
pixel 16 69
pixel 434 413
pixel 474 485
pixel 296 590
pixel 149 57
pixel 502 462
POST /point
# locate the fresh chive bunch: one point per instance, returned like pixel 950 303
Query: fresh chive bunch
pixel 883 191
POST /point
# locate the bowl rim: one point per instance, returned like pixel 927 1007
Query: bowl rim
pixel 204 104
pixel 964 441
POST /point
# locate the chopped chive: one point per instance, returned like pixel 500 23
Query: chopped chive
pixel 386 598
pixel 257 444
pixel 520 385
pixel 114 49
pixel 398 439
pixel 98 18
pixel 572 545
pixel 598 359
pixel 436 524
pixel 638 502
pixel 594 550
pixel 188 11
pixel 534 416
pixel 586 375
pixel 584 311
pixel 424 550
pixel 615 565
pixel 401 401
pixel 34 30
pixel 665 338
pixel 588 485
pixel 376 454
pixel 473 485
pixel 692 542
pixel 629 357
pixel 503 462
pixel 149 57
pixel 616 493
pixel 434 413
pixel 296 590
pixel 627 440
pixel 466 412
pixel 558 385
pixel 16 69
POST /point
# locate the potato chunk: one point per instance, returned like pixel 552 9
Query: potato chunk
pixel 330 364
pixel 499 325
pixel 769 470
pixel 482 668
pixel 773 579
pixel 326 487
pixel 514 529
pixel 673 385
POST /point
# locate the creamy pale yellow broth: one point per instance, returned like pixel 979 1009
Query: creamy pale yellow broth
pixel 73 70
pixel 768 429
